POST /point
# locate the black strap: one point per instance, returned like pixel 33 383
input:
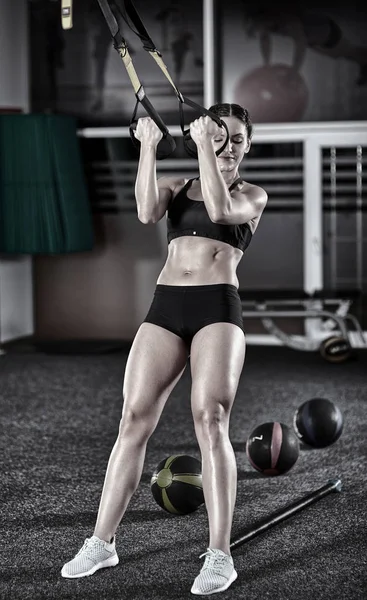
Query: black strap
pixel 236 182
pixel 129 11
pixel 111 21
pixel 167 144
pixel 148 44
pixel 232 186
pixel 188 185
pixel 189 143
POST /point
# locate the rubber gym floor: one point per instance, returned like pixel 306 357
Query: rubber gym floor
pixel 59 415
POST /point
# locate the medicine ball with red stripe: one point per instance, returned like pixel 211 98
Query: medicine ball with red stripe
pixel 272 448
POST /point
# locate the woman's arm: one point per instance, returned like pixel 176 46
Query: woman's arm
pixel 215 192
pixel 152 196
pixel 223 206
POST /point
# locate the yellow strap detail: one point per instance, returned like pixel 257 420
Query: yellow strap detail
pixel 67 14
pixel 192 479
pixel 124 53
pixel 162 66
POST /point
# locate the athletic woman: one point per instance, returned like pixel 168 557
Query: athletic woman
pixel 196 311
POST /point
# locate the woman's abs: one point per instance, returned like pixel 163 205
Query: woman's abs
pixel 200 261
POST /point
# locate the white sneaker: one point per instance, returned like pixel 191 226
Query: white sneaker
pixel 95 554
pixel 216 575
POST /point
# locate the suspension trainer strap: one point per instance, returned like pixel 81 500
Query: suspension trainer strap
pixel 67 14
pixel 167 144
pixel 130 13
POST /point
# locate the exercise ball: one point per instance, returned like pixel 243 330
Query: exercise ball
pixel 273 93
pixel 318 422
pixel 272 448
pixel 176 484
pixel 335 349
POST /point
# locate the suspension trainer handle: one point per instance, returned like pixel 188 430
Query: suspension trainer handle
pixel 189 143
pixel 130 13
pixel 167 144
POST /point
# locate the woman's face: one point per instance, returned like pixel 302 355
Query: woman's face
pixel 238 144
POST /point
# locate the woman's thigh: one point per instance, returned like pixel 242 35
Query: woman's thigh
pixel 217 358
pixel 156 362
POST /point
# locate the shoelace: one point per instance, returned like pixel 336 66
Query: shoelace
pixel 88 547
pixel 213 560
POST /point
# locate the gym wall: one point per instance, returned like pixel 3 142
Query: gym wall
pixel 105 293
pixel 16 286
pixel 299 61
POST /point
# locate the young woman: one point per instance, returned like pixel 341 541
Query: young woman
pixel 196 311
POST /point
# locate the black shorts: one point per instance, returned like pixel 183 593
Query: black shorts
pixel 184 310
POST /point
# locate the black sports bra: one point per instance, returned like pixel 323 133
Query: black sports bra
pixel 190 217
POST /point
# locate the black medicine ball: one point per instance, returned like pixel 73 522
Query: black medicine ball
pixel 272 448
pixel 318 422
pixel 176 484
